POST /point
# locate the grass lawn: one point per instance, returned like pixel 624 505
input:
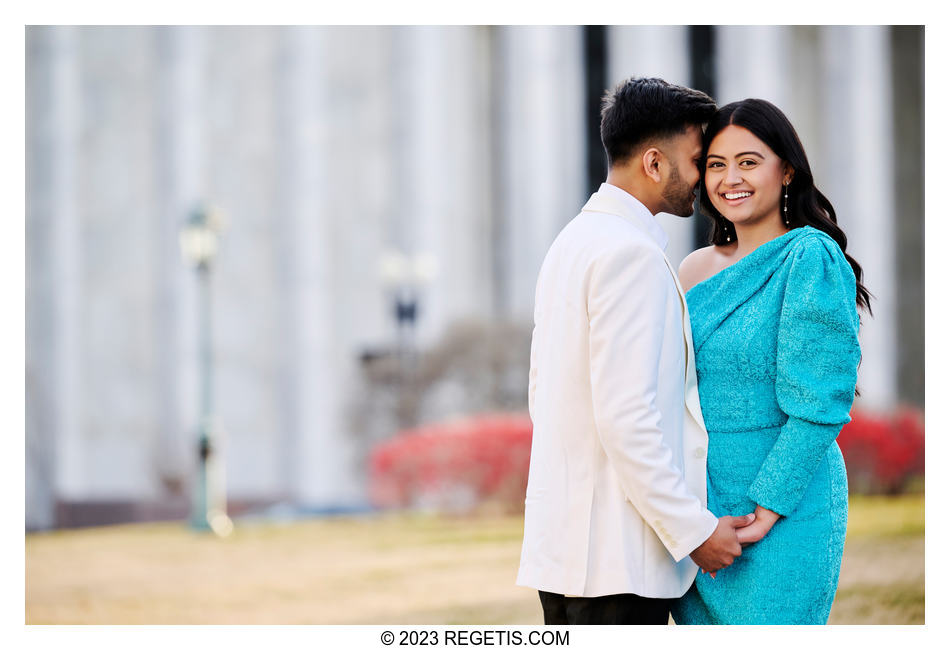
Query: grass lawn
pixel 882 574
pixel 394 569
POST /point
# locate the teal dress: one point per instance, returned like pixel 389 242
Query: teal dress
pixel 776 340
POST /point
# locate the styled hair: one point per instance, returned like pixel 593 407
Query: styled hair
pixel 641 109
pixel 806 205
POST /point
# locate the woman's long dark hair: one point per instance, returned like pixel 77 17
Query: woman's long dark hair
pixel 806 205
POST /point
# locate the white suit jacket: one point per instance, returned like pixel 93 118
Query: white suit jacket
pixel 617 484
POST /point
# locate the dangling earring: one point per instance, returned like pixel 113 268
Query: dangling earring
pixel 728 235
pixel 785 209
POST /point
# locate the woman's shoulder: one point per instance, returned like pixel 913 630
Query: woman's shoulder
pixel 817 248
pixel 819 270
pixel 702 264
pixel 810 239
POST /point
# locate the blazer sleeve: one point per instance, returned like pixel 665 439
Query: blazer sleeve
pixel 628 292
pixel 816 371
pixel 533 373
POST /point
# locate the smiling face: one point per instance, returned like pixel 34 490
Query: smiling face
pixel 744 177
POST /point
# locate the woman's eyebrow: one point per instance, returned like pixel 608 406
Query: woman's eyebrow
pixel 744 153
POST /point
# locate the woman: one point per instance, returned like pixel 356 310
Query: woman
pixel 773 307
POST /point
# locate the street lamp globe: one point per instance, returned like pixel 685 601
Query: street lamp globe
pixel 199 236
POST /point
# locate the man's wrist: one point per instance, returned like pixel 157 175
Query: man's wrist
pixel 712 523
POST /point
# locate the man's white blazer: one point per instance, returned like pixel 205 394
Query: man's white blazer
pixel 617 486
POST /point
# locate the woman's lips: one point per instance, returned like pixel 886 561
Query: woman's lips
pixel 737 196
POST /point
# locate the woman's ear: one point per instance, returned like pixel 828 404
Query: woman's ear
pixel 789 174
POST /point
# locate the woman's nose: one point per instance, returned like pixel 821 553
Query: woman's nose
pixel 733 177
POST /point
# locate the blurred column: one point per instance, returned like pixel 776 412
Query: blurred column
pixel 426 210
pixel 859 149
pixel 54 274
pixel 539 159
pixel 753 61
pixel 648 51
pixel 442 89
pixel 784 70
pixel 314 448
pixel 179 156
pixel 907 50
pixel 802 102
pixel 655 51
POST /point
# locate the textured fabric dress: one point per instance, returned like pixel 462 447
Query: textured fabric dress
pixel 776 340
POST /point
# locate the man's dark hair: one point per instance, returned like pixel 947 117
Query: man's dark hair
pixel 640 109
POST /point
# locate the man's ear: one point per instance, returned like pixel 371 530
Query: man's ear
pixel 651 159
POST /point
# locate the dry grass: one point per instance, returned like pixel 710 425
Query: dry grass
pixel 882 574
pixel 396 569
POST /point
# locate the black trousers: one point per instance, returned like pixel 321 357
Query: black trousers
pixel 616 609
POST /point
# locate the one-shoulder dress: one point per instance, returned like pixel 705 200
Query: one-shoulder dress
pixel 776 341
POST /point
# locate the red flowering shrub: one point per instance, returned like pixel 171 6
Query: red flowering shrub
pixel 458 465
pixel 454 465
pixel 882 453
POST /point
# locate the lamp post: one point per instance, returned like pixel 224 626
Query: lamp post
pixel 199 245
pixel 404 276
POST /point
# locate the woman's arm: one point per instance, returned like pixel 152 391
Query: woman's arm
pixel 816 366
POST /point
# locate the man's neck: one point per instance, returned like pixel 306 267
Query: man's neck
pixel 629 184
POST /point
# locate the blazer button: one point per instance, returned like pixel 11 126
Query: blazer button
pixel 699 453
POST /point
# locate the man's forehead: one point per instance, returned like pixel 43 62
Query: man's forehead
pixel 695 133
pixel 691 138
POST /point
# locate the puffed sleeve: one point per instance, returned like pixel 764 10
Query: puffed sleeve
pixel 816 370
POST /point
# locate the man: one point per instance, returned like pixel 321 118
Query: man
pixel 615 516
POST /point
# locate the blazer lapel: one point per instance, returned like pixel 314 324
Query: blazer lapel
pixel 602 201
pixel 692 392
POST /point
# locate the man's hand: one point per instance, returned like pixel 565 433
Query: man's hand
pixel 723 545
pixel 764 520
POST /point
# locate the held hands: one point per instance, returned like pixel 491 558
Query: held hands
pixel 764 520
pixel 723 546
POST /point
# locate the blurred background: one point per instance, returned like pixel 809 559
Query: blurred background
pixel 286 272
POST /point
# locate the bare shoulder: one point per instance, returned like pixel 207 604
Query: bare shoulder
pixel 694 267
pixel 704 263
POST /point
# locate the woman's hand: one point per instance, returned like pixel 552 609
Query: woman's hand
pixel 764 520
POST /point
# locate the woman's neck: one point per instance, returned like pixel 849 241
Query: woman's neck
pixel 751 236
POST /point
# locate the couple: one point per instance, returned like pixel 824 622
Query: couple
pixel 628 495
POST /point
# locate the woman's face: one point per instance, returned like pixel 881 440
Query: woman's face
pixel 744 177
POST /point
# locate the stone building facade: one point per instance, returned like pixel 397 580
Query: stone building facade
pixel 326 148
